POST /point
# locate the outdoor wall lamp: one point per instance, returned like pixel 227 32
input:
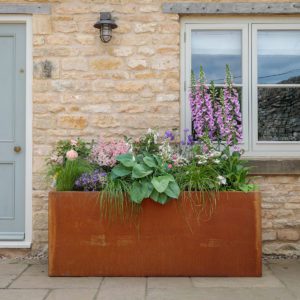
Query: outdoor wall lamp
pixel 105 24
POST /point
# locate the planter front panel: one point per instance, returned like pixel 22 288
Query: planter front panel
pixel 168 240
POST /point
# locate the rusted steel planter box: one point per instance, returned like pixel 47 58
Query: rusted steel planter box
pixel 170 241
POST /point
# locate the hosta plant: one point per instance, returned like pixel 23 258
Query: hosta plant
pixel 148 176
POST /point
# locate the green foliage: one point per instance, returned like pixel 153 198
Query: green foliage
pixel 195 177
pixel 147 143
pixel 68 173
pixel 147 177
pixel 81 147
pixel 113 200
pixel 236 172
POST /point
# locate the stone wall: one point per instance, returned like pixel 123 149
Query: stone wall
pixel 83 87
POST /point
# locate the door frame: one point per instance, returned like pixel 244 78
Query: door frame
pixel 27 20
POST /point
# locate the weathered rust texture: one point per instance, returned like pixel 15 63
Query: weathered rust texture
pixel 170 240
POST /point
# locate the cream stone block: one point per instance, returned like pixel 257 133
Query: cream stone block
pixel 65 26
pixel 150 8
pixel 108 63
pixel 104 121
pixel 164 62
pixel 121 51
pixel 136 39
pixel 144 27
pixel 137 64
pixel 130 87
pixel 269 235
pixel 38 40
pixel 40 220
pixel 288 235
pixel 99 108
pixel 76 63
pixel 71 8
pixel 41 24
pixel 58 39
pixel 40 122
pixel 46 108
pixel 167 97
pixel 173 27
pixel 145 50
pixel 69 121
pixel 86 39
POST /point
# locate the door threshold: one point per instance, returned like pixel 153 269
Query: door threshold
pixel 15 244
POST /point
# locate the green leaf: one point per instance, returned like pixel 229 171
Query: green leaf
pixel 127 159
pixel 147 188
pixel 160 183
pixel 173 190
pixel 136 192
pixel 150 161
pixel 140 171
pixel 158 159
pixel 121 171
pixel 161 198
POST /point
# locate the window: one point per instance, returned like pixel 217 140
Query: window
pixel 264 58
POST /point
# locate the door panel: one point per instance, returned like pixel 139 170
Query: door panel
pixel 12 131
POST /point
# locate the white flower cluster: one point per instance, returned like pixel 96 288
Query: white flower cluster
pixel 213 156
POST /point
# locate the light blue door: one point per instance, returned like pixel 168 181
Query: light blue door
pixel 12 131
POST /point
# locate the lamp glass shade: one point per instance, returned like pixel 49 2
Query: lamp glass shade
pixel 105 33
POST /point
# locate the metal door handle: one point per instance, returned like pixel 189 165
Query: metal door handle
pixel 17 149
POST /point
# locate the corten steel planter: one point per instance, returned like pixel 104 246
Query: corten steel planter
pixel 169 240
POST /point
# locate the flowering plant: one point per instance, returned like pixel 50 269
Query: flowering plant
pixel 104 153
pixel 159 166
pixel 216 116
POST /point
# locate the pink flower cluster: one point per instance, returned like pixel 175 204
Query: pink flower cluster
pixel 104 153
pixel 202 111
pixel 217 117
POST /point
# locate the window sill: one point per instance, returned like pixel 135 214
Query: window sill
pixel 276 166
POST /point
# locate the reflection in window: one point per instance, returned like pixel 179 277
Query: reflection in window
pixel 213 49
pixel 278 56
pixel 278 114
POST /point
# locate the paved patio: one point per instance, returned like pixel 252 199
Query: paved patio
pixel 18 281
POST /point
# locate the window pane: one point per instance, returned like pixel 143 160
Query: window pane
pixel 279 56
pixel 213 49
pixel 278 114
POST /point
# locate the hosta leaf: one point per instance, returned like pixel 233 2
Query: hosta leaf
pixel 140 171
pixel 160 183
pixel 147 188
pixel 136 192
pixel 121 171
pixel 150 161
pixel 161 198
pixel 127 159
pixel 173 190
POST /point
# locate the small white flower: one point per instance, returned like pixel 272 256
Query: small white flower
pixel 217 161
pixel 222 179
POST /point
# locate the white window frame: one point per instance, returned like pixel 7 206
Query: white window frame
pixel 249 27
pixel 27 20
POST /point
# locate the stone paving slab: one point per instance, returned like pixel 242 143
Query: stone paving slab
pixel 289 274
pixel 169 282
pixel 9 272
pixel 267 280
pixel 72 294
pixel 122 288
pixel 28 294
pixel 43 282
pixel 220 294
pixel 280 281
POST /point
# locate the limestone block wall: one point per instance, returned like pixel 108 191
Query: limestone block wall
pixel 83 87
